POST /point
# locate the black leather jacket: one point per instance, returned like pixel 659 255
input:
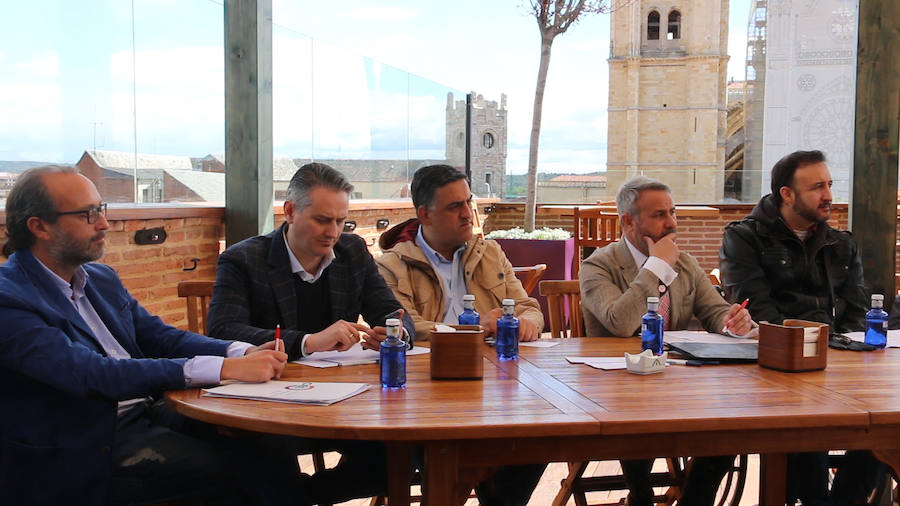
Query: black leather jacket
pixel 763 260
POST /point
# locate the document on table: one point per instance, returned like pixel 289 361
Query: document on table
pixel 540 343
pixel 604 363
pixel 893 337
pixel 297 392
pixel 356 355
pixel 701 336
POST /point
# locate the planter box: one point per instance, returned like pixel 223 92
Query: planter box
pixel 557 255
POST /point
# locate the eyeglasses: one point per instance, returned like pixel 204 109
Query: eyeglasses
pixel 91 215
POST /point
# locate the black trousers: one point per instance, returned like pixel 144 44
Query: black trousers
pixel 162 456
pixel 701 483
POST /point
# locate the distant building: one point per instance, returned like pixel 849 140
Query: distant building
pixel 667 113
pixel 7 180
pixel 160 178
pixel 808 51
pixel 734 93
pixel 488 142
pixel 573 188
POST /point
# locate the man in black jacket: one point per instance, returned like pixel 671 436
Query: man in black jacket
pixel 790 263
pixel 785 257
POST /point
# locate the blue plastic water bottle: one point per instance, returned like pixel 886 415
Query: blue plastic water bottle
pixel 877 322
pixel 508 332
pixel 469 316
pixel 652 328
pixel 393 356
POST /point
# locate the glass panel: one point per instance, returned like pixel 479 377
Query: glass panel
pixel 371 121
pixel 87 89
pixel 801 88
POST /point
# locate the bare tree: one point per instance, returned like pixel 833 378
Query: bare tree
pixel 554 17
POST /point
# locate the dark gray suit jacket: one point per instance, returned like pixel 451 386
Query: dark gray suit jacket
pixel 255 290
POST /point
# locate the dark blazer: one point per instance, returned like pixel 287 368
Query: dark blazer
pixel 254 291
pixel 58 389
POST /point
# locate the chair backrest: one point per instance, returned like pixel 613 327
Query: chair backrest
pixel 477 228
pixel 593 227
pixel 532 274
pixel 562 295
pixel 197 295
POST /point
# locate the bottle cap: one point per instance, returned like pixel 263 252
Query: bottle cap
pixel 469 296
pixel 651 300
pixel 392 322
pixel 878 296
pixel 509 302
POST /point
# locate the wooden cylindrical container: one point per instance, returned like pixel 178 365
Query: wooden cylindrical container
pixel 457 355
pixel 796 346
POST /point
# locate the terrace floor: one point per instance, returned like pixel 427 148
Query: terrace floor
pixel 549 485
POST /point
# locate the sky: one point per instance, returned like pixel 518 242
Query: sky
pixel 71 79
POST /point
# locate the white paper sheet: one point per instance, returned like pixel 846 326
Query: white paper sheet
pixel 356 355
pixel 297 392
pixel 701 336
pixel 604 363
pixel 540 343
pixel 893 337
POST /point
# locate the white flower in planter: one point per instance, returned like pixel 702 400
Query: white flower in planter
pixel 543 234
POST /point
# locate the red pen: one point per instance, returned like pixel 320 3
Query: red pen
pixel 743 306
pixel 279 346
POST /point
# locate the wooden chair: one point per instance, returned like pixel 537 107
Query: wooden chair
pixel 562 295
pixel 197 294
pixel 532 275
pixel 593 228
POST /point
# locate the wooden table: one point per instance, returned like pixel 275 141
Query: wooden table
pixel 543 409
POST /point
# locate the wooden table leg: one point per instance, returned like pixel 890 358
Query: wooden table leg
pixel 399 467
pixel 772 479
pixel 441 479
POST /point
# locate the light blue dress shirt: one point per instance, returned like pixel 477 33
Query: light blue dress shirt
pixel 200 370
pixel 450 272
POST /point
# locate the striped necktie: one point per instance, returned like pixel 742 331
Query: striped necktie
pixel 665 303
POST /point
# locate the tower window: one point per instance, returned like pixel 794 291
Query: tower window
pixel 674 25
pixel 487 140
pixel 653 26
pixel 487 177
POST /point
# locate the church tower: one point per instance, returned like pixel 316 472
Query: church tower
pixel 488 142
pixel 667 83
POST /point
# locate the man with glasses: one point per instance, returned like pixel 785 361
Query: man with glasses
pixel 80 362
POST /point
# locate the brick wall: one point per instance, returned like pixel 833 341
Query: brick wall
pixel 700 236
pixel 151 273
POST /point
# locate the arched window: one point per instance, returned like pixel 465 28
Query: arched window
pixel 653 26
pixel 487 140
pixel 674 31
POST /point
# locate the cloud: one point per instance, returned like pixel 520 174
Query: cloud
pixel 44 66
pixel 383 13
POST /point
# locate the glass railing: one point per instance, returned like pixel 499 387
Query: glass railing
pixel 133 94
pixel 701 185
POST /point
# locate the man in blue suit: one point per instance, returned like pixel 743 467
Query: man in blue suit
pixel 81 362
